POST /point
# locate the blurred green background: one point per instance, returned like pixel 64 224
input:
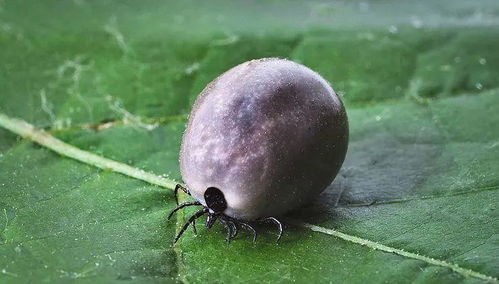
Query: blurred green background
pixel 420 81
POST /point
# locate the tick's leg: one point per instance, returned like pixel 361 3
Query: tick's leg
pixel 233 225
pixel 191 219
pixel 250 228
pixel 228 228
pixel 183 205
pixel 194 227
pixel 179 186
pixel 211 220
pixel 275 221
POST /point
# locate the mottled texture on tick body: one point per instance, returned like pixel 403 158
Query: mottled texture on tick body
pixel 271 134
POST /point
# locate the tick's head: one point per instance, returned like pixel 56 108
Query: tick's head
pixel 216 204
pixel 215 200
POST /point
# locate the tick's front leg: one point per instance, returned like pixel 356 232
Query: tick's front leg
pixel 184 189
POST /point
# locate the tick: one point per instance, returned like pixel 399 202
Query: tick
pixel 263 138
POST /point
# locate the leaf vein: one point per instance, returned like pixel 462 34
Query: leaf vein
pixel 377 246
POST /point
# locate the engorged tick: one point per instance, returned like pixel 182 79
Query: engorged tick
pixel 262 139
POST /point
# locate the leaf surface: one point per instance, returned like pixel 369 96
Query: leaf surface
pixel 420 83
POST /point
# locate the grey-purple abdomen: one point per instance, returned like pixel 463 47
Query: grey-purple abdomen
pixel 271 134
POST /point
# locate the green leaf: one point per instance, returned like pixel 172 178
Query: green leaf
pixel 417 197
